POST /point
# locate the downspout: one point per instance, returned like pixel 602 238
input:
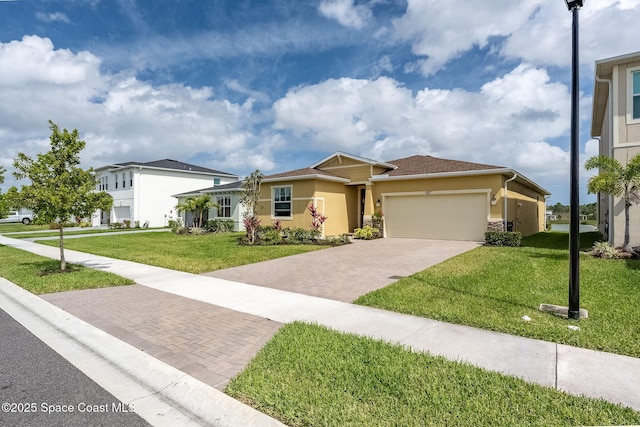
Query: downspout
pixel 609 83
pixel 506 198
pixel 545 213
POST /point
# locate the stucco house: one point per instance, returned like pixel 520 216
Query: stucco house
pixel 615 121
pixel 226 196
pixel 144 191
pixel 419 197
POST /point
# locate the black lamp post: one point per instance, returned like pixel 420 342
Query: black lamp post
pixel 574 225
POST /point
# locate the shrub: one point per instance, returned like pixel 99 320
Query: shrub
pixel 85 224
pixel 197 231
pixel 365 233
pixel 219 225
pixel 251 225
pixel 176 226
pixel 127 223
pixel 503 238
pixel 269 236
pixel 604 250
pixel 297 236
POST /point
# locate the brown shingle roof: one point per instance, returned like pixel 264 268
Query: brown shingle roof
pixel 421 165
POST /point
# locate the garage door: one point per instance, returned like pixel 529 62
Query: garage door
pixel 122 212
pixel 437 216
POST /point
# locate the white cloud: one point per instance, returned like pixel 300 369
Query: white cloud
pixel 441 31
pixel 346 13
pixel 507 123
pixel 607 28
pixel 120 117
pixel 52 17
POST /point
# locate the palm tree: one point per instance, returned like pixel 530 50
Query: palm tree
pixel 197 205
pixel 619 181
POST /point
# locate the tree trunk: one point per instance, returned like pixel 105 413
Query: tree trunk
pixel 63 262
pixel 626 246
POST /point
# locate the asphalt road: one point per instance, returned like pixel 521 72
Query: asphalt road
pixel 38 387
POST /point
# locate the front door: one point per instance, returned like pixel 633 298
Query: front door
pixel 363 195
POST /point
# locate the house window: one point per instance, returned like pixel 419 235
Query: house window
pixel 130 178
pixel 124 181
pixel 216 181
pixel 224 209
pixel 116 181
pixel 635 77
pixel 282 202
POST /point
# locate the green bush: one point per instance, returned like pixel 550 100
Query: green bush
pixel 268 236
pixel 365 233
pixel 503 238
pixel 219 225
pixel 300 236
pixel 604 250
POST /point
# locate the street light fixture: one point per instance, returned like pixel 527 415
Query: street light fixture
pixel 574 226
pixel 571 4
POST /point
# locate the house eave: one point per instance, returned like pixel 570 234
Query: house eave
pixel 307 177
pixel 114 167
pixel 501 171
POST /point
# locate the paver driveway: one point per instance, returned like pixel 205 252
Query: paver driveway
pixel 344 273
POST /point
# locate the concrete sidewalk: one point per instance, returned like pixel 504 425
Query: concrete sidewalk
pixel 577 371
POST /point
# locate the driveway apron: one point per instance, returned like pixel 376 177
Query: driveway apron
pixel 344 273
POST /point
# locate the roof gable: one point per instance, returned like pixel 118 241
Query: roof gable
pixel 340 158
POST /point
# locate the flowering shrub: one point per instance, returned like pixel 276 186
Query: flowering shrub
pixel 251 224
pixel 317 219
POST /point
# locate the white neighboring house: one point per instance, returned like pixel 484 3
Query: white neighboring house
pixel 227 196
pixel 144 191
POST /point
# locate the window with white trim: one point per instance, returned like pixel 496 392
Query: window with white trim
pixel 281 205
pixel 130 178
pixel 224 206
pixel 635 94
pixel 116 180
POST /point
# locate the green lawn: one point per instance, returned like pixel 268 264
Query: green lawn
pixel 193 254
pixel 34 273
pixel 54 233
pixel 308 375
pixel 494 287
pixel 10 228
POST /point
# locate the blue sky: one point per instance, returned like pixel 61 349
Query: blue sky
pixel 277 85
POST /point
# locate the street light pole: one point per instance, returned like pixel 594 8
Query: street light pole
pixel 574 224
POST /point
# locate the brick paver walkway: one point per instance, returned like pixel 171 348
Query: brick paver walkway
pixel 210 343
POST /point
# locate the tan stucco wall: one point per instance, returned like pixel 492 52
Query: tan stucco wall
pixel 526 207
pixel 334 200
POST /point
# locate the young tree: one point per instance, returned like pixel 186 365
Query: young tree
pixel 250 197
pixel 60 189
pixel 198 206
pixel 619 181
pixel 3 205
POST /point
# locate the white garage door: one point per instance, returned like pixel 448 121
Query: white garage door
pixel 437 216
pixel 122 212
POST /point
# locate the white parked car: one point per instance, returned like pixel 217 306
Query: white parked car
pixel 15 216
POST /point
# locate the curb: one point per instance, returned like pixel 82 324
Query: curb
pixel 160 393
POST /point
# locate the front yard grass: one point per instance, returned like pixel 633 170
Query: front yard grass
pixel 37 274
pixel 309 375
pixel 494 287
pixel 193 254
pixel 11 227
